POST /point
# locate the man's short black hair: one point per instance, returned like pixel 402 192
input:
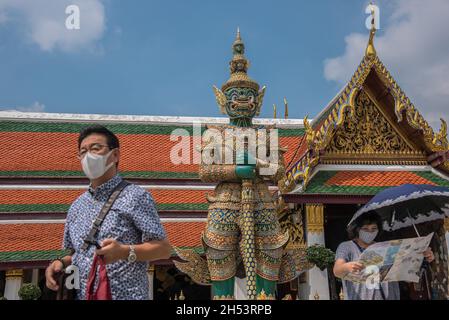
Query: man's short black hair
pixel 111 138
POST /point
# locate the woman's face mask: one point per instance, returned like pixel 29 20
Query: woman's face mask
pixel 94 165
pixel 368 236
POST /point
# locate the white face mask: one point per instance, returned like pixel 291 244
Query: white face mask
pixel 94 165
pixel 367 236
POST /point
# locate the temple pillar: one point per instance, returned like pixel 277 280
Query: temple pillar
pixel 150 274
pixel 317 281
pixel 13 284
pixel 35 277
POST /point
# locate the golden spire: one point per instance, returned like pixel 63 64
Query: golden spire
pixel 370 50
pixel 274 111
pixel 286 108
pixel 239 67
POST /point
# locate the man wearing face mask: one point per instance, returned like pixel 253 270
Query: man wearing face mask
pixel 130 235
pixel 363 234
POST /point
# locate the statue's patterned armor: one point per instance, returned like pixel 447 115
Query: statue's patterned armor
pixel 243 233
pixel 222 238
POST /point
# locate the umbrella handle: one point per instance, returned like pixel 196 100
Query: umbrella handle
pixel 414 226
pixel 393 217
pixel 426 280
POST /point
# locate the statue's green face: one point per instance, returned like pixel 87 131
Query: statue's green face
pixel 241 102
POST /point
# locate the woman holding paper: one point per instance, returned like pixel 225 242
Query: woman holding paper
pixel 363 233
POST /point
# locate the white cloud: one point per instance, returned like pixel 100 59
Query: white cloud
pixel 414 46
pixel 43 22
pixel 35 107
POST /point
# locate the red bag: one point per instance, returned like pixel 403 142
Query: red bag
pixel 103 290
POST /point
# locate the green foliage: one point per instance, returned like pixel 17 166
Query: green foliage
pixel 320 256
pixel 3 298
pixel 29 291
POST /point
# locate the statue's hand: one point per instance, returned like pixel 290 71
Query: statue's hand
pixel 245 171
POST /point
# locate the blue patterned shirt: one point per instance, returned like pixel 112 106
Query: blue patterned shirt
pixel 133 219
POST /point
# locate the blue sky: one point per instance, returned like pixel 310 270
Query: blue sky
pixel 162 57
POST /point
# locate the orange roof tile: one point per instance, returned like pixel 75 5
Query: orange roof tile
pixel 46 236
pixel 47 153
pixel 68 196
pixel 376 178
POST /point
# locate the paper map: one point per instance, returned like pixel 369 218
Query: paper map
pixel 394 260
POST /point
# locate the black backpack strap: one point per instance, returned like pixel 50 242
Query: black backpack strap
pixel 103 212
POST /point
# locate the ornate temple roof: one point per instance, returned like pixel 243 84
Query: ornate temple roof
pixel 357 184
pixel 36 243
pixel 30 135
pixel 42 176
pixel 370 121
pixel 14 200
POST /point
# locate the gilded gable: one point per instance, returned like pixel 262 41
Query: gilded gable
pixel 368 136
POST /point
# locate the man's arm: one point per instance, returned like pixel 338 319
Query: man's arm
pixel 55 267
pixel 67 260
pixel 113 251
pixel 153 244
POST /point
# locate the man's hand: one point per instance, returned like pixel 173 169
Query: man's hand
pixel 112 251
pixel 354 267
pixel 54 268
pixel 428 255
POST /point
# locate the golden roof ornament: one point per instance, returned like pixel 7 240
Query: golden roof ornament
pixel 285 108
pixel 370 49
pixel 238 39
pixel 239 66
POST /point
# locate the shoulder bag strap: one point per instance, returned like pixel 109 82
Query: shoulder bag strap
pixel 103 212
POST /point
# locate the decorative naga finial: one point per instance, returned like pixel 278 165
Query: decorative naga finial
pixel 274 111
pixel 286 108
pixel 370 49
